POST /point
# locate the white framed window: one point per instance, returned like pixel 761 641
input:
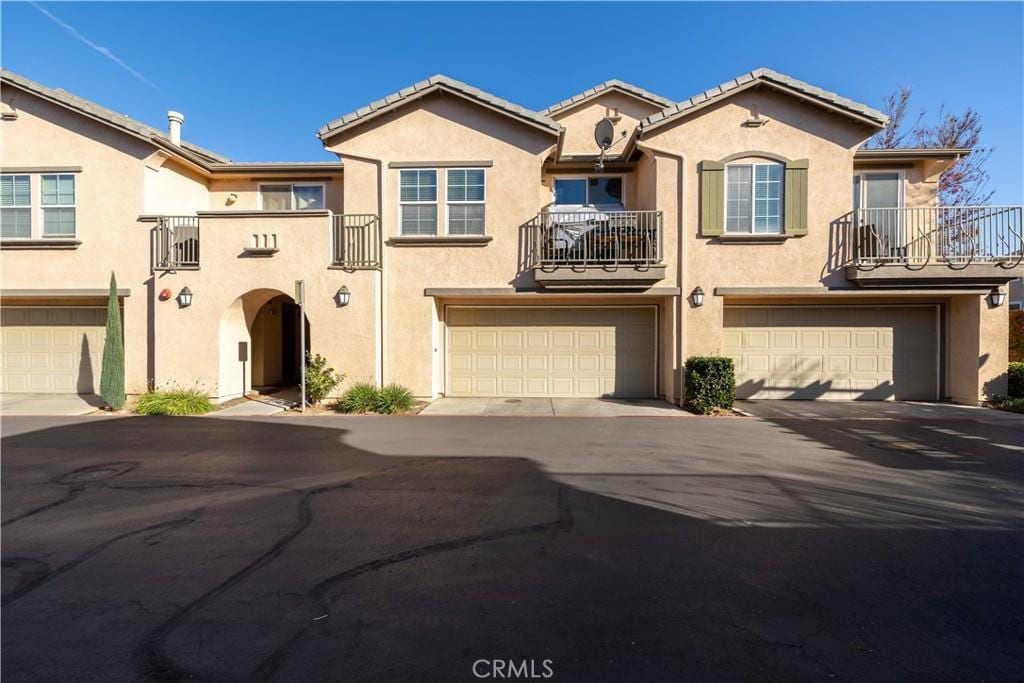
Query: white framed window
pixel 57 198
pixel 605 192
pixel 417 201
pixel 292 196
pixel 466 192
pixel 878 190
pixel 753 198
pixel 15 207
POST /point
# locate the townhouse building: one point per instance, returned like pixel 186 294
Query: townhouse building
pixel 464 245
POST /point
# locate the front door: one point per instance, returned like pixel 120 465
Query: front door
pixel 289 344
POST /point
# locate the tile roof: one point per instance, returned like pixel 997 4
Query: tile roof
pixel 103 114
pixel 767 76
pixel 613 84
pixel 438 82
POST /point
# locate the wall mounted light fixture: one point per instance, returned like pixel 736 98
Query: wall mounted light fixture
pixel 997 297
pixel 697 297
pixel 185 297
pixel 342 296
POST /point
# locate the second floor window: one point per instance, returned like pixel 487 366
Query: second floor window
pixel 417 200
pixel 15 207
pixel 753 198
pixel 292 197
pixel 465 190
pixel 604 192
pixel 58 202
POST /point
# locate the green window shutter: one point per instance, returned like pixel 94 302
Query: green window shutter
pixel 712 198
pixel 795 211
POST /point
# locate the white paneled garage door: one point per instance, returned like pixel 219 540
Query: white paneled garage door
pixel 523 352
pixel 52 350
pixel 836 352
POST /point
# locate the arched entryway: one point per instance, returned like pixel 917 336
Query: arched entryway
pixel 259 343
pixel 276 353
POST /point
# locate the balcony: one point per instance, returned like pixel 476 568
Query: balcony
pixel 594 248
pixel 176 243
pixel 354 239
pixel 934 246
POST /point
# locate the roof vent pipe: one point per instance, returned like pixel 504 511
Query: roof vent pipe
pixel 174 121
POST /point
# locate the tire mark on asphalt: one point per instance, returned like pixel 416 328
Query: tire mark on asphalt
pixel 25 587
pixel 320 593
pixel 68 496
pixel 152 658
pixel 77 480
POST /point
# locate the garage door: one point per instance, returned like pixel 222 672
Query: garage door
pixel 52 350
pixel 848 352
pixel 583 352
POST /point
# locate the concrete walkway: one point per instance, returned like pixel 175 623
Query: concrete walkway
pixel 49 404
pixel 262 404
pixel 553 407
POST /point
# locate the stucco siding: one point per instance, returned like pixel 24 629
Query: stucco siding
pixel 109 195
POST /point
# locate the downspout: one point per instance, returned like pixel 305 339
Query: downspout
pixel 680 256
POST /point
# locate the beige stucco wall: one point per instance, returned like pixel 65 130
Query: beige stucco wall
pixel 795 130
pixel 579 121
pixel 441 129
pixel 400 336
pixel 978 338
pixel 110 195
pixel 199 344
pixel 172 189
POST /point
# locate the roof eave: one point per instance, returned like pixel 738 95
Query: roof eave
pixel 646 125
pixel 327 131
pixel 599 90
pixel 911 153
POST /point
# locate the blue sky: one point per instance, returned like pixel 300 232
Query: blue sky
pixel 256 80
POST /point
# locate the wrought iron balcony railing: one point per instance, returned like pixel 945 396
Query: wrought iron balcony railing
pixel 591 237
pixel 957 236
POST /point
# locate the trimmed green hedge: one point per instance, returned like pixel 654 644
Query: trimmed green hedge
pixel 710 383
pixel 1016 380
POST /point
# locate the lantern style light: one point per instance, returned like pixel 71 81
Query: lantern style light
pixel 697 296
pixel 997 297
pixel 342 296
pixel 185 297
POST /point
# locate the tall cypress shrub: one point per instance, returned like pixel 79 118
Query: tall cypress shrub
pixel 112 377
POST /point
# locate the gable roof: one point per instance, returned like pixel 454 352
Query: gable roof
pixel 436 83
pixel 102 114
pixel 613 84
pixel 773 79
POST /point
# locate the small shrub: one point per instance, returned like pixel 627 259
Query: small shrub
pixel 359 398
pixel 1014 405
pixel 174 402
pixel 710 383
pixel 1015 388
pixel 394 398
pixel 320 379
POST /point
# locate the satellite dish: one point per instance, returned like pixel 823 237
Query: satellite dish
pixel 604 133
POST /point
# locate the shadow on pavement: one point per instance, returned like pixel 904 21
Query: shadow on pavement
pixel 177 548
